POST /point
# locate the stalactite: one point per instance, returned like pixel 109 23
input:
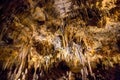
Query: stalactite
pixel 59 39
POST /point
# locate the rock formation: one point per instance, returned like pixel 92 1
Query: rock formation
pixel 59 40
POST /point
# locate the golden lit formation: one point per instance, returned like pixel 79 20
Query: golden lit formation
pixel 59 40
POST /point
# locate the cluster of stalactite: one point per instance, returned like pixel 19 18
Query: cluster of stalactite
pixel 59 39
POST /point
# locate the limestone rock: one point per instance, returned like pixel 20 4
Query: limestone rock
pixel 67 39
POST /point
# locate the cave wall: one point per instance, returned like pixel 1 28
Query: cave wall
pixel 41 40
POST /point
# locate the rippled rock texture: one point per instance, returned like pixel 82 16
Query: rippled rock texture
pixel 59 39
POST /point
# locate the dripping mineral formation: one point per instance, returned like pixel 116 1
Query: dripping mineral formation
pixel 59 40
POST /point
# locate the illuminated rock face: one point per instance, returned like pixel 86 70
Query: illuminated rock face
pixel 34 46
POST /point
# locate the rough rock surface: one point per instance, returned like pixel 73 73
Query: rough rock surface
pixel 63 40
